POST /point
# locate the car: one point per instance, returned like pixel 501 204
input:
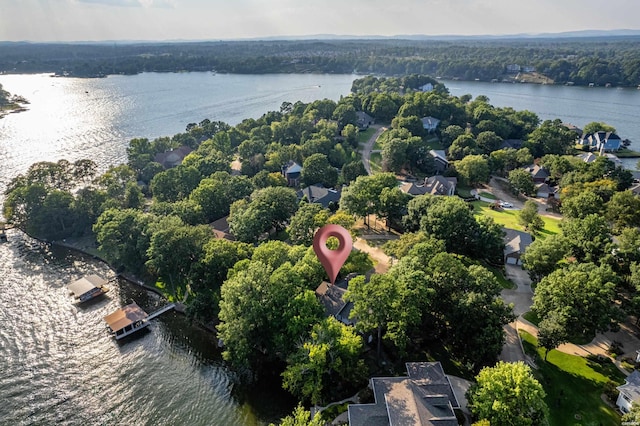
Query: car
pixel 506 205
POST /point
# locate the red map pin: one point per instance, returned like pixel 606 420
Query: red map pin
pixel 332 260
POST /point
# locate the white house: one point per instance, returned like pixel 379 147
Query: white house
pixel 629 392
pixel 430 123
pixel 426 87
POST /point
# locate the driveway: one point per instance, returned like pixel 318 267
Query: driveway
pixel 368 147
pixel 522 298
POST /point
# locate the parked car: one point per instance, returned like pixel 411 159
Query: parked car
pixel 506 205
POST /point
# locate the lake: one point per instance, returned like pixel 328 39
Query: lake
pixel 57 363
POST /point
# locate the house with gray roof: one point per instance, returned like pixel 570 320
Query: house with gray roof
pixel 602 141
pixel 439 160
pixel 629 392
pixel 331 298
pixel 543 190
pixel 434 185
pixel 515 244
pixel 363 120
pixel 423 398
pixel 538 173
pixel 511 143
pixel 292 172
pixel 172 158
pixel 320 195
pixel 430 123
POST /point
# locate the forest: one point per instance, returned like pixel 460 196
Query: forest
pixel 581 61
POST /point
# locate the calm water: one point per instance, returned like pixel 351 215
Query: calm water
pixel 577 105
pixel 57 364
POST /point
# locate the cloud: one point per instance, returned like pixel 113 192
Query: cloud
pixel 132 3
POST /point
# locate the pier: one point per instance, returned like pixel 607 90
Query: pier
pixel 131 318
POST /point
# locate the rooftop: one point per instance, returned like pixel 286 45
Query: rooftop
pixel 125 316
pixel 86 284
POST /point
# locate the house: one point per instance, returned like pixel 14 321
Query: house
pixel 543 190
pixel 434 185
pixel 426 87
pixel 573 128
pixel 430 123
pixel 439 160
pixel 538 173
pixel 291 172
pixel 330 296
pixel 320 195
pixel 601 141
pixel 424 397
pixel 629 392
pixel 221 229
pixel 515 244
pixel 172 158
pixel 363 120
pixel 511 143
pixel 587 157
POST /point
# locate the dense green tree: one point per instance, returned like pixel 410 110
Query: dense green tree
pixel 301 417
pixel 508 394
pixel 316 169
pixel 623 210
pixel 123 237
pixel 174 249
pixel 473 169
pixel 584 294
pixel 521 182
pixel 175 184
pixel 552 137
pixel 345 114
pixel 329 358
pixel 401 247
pixel 394 155
pixel 589 238
pixel 362 197
pixel 462 146
pixel 543 256
pixel 582 205
pixel 552 332
pixel 529 217
pixel 488 142
pixel 305 222
pixel 597 126
pixel 451 133
pixel 263 313
pixel 351 171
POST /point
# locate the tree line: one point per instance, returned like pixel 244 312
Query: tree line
pixel 598 60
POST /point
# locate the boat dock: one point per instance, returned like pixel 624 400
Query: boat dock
pixel 88 287
pixel 131 318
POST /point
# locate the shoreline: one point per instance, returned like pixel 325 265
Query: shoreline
pixel 78 247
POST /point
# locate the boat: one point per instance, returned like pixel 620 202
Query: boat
pixel 131 318
pixel 88 288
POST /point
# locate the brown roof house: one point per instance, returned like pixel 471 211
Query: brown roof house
pixel 515 244
pixel 435 185
pixel 424 397
pixel 172 158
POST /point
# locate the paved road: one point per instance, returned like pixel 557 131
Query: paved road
pixel 521 297
pixel 368 147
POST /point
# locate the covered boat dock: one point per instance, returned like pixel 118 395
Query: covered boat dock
pixel 131 318
pixel 86 288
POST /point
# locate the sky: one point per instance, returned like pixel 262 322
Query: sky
pixel 97 20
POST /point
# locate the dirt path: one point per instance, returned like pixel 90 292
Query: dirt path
pixel 368 147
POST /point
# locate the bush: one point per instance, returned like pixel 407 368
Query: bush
pixel 609 389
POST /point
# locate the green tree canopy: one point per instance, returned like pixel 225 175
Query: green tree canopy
pixel 508 394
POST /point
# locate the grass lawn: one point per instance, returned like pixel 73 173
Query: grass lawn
pixel 376 162
pixel 509 219
pixel 364 136
pixel 434 143
pixel 532 317
pixel 497 272
pixel 573 385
